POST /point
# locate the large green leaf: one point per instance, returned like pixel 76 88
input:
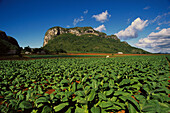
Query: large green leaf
pixel 25 105
pixel 109 92
pixel 21 97
pixel 87 90
pixel 91 95
pixel 64 81
pixel 69 110
pixel 122 105
pixel 95 110
pixel 41 99
pixel 80 110
pixel 13 102
pixel 85 78
pixel 155 106
pixel 104 104
pixel 60 106
pixel 82 100
pixel 131 108
pixel 46 109
pixel 79 86
pixel 134 102
pixel 74 87
pixel 80 93
pixel 121 93
pixel 102 96
pixel 94 84
pixel 124 82
pixel 28 95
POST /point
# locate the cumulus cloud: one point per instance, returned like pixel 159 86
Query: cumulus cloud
pixel 77 20
pixel 85 12
pixel 147 7
pixel 102 17
pixel 157 28
pixel 156 42
pixel 132 30
pixel 100 28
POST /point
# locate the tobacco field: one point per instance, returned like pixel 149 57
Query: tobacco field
pixel 131 84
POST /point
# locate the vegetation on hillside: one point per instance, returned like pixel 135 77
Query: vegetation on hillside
pixel 6 46
pixel 89 43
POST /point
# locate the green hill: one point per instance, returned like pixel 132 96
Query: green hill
pixel 89 43
pixel 8 45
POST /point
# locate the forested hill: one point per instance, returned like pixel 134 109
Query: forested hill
pixel 8 44
pixel 85 39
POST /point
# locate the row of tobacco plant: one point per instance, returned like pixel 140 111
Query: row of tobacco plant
pixel 134 84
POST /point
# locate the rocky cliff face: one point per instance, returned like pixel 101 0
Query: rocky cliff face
pixel 113 37
pixel 78 31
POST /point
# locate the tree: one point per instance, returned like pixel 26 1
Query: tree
pixel 27 49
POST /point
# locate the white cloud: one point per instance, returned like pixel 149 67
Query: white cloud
pixel 102 17
pixel 156 42
pixel 147 7
pixel 85 12
pixel 157 28
pixel 155 19
pixel 158 18
pixel 132 30
pixel 77 20
pixel 164 22
pixel 100 28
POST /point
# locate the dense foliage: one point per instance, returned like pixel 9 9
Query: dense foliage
pixel 5 46
pixel 89 43
pixel 136 84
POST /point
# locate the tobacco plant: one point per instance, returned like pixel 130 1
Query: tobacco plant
pixel 135 84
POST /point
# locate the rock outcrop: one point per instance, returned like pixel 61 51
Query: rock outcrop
pixel 78 31
pixel 113 37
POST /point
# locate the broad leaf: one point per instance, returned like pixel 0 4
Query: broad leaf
pixel 41 99
pixel 124 82
pixel 25 105
pixel 134 102
pixel 104 104
pixel 131 108
pixel 95 110
pixel 60 106
pixel 102 96
pixel 91 95
pixel 46 109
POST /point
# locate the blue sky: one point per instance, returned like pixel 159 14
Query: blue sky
pixel 142 23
